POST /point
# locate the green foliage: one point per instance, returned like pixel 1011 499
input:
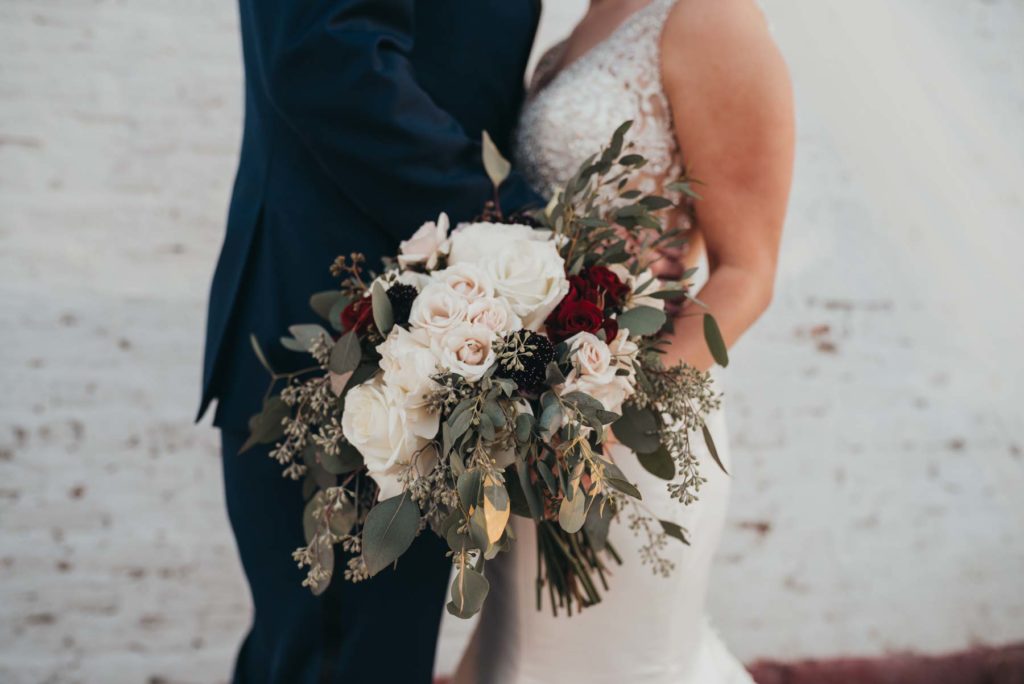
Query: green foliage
pixel 383 316
pixel 469 589
pixel 642 320
pixel 715 341
pixel 346 354
pixel 659 463
pixel 388 532
pixel 638 429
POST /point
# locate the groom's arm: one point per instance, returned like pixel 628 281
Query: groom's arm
pixel 338 73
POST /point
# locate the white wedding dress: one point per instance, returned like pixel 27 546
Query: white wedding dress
pixel 648 628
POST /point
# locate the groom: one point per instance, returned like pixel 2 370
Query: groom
pixel 361 122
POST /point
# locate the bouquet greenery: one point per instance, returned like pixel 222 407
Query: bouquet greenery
pixel 482 375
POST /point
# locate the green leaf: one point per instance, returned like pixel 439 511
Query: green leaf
pixel 469 489
pixel 309 523
pixel 346 354
pixel 554 375
pixel 346 461
pixel 342 521
pixel 642 320
pixel 497 167
pixel 632 160
pixel 638 429
pixel 659 463
pixel 306 334
pixel 617 479
pixel 323 303
pixel 710 441
pixel 469 589
pixel 522 482
pixel 673 530
pixel 389 530
pixel 599 519
pixel 572 513
pixel 548 477
pixel 524 427
pixel 654 203
pixel 266 426
pixel 383 316
pixel 550 420
pixel 259 354
pixel 713 337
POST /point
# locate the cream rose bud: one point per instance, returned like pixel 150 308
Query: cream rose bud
pixel 531 277
pixel 408 363
pixel 425 245
pixel 437 309
pixel 468 350
pixel 633 282
pixel 495 314
pixel 595 368
pixel 474 242
pixel 469 280
pixel 376 426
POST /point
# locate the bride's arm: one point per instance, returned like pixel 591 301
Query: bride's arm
pixel 732 107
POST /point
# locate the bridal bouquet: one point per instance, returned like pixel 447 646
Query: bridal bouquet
pixel 482 375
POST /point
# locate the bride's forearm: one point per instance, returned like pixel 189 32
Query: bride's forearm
pixel 736 297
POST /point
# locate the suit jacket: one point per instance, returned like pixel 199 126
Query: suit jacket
pixel 362 121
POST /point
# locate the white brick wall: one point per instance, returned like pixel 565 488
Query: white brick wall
pixel 876 411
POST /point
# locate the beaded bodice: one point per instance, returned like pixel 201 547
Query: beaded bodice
pixel 570 114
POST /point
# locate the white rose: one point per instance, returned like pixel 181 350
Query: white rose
pixel 474 242
pixel 467 350
pixel 595 365
pixel 531 277
pixel 437 309
pixel 408 362
pixel 425 245
pixel 467 279
pixel 494 313
pixel 633 282
pixel 376 427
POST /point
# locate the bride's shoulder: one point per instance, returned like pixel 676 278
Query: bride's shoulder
pixel 727 40
pixel 710 20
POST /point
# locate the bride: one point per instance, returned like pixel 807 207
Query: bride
pixel 704 84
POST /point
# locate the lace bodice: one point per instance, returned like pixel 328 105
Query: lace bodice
pixel 571 114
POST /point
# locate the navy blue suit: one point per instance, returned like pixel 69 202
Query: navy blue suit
pixel 362 120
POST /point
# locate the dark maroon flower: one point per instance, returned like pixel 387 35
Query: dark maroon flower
pixel 572 316
pixel 604 280
pixel 358 315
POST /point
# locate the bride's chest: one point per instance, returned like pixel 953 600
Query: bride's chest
pixel 575 113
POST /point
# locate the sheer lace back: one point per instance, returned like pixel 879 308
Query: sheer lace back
pixel 571 113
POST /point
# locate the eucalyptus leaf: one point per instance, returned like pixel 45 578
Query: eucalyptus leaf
pixel 389 531
pixel 715 342
pixel 383 316
pixel 638 429
pixel 497 509
pixel 642 320
pixel 497 167
pixel 323 303
pixel 347 460
pixel 710 441
pixel 267 425
pixel 469 590
pixel 673 530
pixel 468 486
pixel 306 334
pixel 599 519
pixel 258 350
pixel 346 354
pixel 572 513
pixel 659 463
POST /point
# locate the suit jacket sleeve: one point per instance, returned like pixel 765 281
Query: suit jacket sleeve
pixel 338 73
